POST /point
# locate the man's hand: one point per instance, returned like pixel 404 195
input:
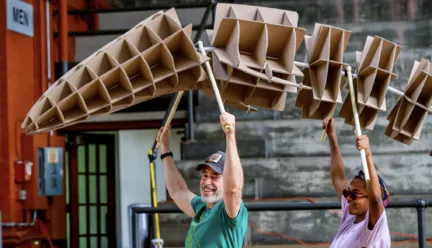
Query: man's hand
pixel 362 142
pixel 329 126
pixel 163 138
pixel 228 119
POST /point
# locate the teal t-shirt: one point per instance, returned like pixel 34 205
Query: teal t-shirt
pixel 212 227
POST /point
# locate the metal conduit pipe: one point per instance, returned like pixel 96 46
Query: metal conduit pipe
pixel 21 224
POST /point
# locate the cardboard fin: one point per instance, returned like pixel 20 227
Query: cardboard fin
pixel 289 51
pixel 173 17
pixel 221 37
pixel 260 50
pixel 243 13
pixel 182 50
pixel 259 17
pixel 73 108
pixel 143 38
pixel 163 26
pixel 319 73
pixel 81 77
pixel 50 119
pixel 138 73
pixel 101 64
pixel 160 62
pixel 95 96
pixel 321 44
pixel 233 45
pixel 219 69
pixel 386 59
pixel 62 91
pixel 336 44
pixel 371 52
pixel 122 51
pixel 271 16
pixel 117 83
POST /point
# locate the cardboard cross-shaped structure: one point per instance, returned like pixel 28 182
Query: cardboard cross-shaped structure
pixel 253 55
pixel 407 117
pixel 325 49
pixel 154 58
pixel 374 72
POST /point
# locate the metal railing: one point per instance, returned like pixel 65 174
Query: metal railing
pixel 420 205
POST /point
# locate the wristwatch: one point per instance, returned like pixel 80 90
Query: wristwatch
pixel 162 156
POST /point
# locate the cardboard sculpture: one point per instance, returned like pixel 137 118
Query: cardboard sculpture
pixel 325 50
pixel 408 115
pixel 253 55
pixel 374 72
pixel 154 58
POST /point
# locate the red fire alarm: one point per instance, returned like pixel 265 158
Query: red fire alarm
pixel 23 171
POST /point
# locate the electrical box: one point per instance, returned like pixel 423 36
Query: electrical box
pixel 51 174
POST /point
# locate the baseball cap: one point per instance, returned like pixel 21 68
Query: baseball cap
pixel 216 161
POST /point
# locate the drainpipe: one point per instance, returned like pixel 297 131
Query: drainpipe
pixel 63 35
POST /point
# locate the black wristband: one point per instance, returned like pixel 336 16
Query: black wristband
pixel 162 156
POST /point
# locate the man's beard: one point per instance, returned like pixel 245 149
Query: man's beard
pixel 216 197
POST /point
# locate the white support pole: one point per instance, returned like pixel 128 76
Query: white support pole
pixel 213 82
pixel 357 122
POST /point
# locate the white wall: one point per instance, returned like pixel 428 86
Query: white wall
pixel 134 172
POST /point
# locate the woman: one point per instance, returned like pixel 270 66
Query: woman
pixel 363 220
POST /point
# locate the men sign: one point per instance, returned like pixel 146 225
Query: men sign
pixel 20 17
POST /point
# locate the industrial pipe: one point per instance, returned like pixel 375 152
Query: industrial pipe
pixel 63 37
pixel 22 224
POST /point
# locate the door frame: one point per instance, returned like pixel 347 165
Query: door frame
pixel 75 140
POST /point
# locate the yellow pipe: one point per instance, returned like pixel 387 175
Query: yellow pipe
pixel 153 188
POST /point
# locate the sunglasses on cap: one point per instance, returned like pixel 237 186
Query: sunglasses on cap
pixel 354 195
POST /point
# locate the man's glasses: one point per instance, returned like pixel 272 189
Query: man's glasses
pixel 352 194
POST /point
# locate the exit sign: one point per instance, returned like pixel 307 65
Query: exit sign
pixel 20 17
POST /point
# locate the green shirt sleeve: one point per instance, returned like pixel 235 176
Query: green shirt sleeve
pixel 239 219
pixel 196 203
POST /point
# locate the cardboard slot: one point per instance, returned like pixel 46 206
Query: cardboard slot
pixel 81 77
pixel 425 97
pixel 332 86
pixel 50 119
pixel 167 85
pixel 321 48
pixel 42 107
pixel 73 108
pixel 367 118
pixel 143 38
pixel 240 77
pixel 281 47
pixel 223 34
pixel 237 92
pixel 415 120
pixel 183 51
pixel 188 80
pixel 319 109
pixel 101 111
pixel 139 74
pixel 386 59
pixel 102 63
pixel 163 26
pixel 95 95
pixel 318 75
pixel 253 40
pixel 122 103
pixel 371 53
pixel 336 44
pixel 379 89
pixel 122 51
pixel 160 62
pixel 403 113
pixel 61 91
pixel 117 83
pixel 264 98
pixel 416 85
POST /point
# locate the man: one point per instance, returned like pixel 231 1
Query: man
pixel 219 215
pixel 363 220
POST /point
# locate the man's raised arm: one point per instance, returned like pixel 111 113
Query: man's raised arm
pixel 233 171
pixel 175 183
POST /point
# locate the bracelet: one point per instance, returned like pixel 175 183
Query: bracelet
pixel 162 156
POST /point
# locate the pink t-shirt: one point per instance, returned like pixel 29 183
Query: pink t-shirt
pixel 358 235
